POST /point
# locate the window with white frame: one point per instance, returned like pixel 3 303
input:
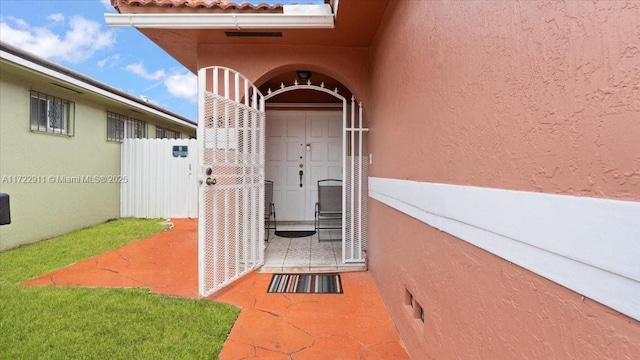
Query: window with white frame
pixel 50 114
pixel 121 127
pixel 164 133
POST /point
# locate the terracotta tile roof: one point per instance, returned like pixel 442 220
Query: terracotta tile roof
pixel 212 5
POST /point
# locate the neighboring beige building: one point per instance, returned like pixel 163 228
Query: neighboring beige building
pixel 60 140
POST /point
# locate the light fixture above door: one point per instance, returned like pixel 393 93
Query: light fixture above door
pixel 304 75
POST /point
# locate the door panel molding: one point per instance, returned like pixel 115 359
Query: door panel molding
pixel 316 148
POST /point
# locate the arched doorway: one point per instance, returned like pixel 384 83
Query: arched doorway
pixel 319 141
pixel 304 144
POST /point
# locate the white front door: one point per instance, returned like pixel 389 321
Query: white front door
pixel 302 147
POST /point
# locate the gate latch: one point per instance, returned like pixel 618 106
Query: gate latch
pixel 209 180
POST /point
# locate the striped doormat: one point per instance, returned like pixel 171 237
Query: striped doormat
pixel 306 283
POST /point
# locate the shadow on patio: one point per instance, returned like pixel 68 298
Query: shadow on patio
pixel 352 325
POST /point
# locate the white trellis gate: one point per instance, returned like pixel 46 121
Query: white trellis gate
pixel 231 132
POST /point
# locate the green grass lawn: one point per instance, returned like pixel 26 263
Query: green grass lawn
pixel 84 323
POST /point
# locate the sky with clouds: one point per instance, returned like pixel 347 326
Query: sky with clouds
pixel 73 34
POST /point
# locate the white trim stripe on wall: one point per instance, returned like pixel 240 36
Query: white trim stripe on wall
pixel 589 245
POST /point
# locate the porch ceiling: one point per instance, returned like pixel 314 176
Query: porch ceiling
pixel 356 24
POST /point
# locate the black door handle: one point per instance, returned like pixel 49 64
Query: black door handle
pixel 300 173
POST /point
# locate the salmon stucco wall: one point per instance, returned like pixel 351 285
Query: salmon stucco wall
pixel 260 63
pixel 534 96
pixel 530 96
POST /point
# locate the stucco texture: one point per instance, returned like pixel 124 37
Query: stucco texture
pixel 533 96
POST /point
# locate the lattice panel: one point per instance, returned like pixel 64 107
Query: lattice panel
pixel 364 214
pixel 356 208
pixel 356 180
pixel 231 209
pixel 349 248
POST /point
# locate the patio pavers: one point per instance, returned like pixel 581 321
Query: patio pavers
pixel 166 263
pixel 352 325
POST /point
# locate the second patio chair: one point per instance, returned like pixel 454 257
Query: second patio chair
pixel 328 213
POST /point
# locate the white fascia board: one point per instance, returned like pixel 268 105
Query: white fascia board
pixel 322 9
pixel 88 87
pixel 294 17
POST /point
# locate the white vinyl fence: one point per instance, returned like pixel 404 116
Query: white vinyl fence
pixel 160 178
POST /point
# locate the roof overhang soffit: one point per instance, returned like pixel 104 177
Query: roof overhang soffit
pixel 292 17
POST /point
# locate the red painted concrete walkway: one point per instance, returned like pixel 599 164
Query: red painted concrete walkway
pixel 353 325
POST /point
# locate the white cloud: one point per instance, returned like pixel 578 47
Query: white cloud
pixel 141 71
pixel 20 23
pixel 56 18
pixel 82 39
pixel 183 86
pixel 109 61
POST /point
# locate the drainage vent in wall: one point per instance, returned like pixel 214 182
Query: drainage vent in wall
pixel 417 312
pixel 408 298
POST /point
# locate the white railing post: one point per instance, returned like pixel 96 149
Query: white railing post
pixel 360 160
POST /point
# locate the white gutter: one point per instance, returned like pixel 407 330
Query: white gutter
pixel 293 17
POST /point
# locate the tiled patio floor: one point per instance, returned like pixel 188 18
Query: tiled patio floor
pixel 352 325
pixel 306 254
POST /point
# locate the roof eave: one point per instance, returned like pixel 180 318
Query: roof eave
pixel 293 17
